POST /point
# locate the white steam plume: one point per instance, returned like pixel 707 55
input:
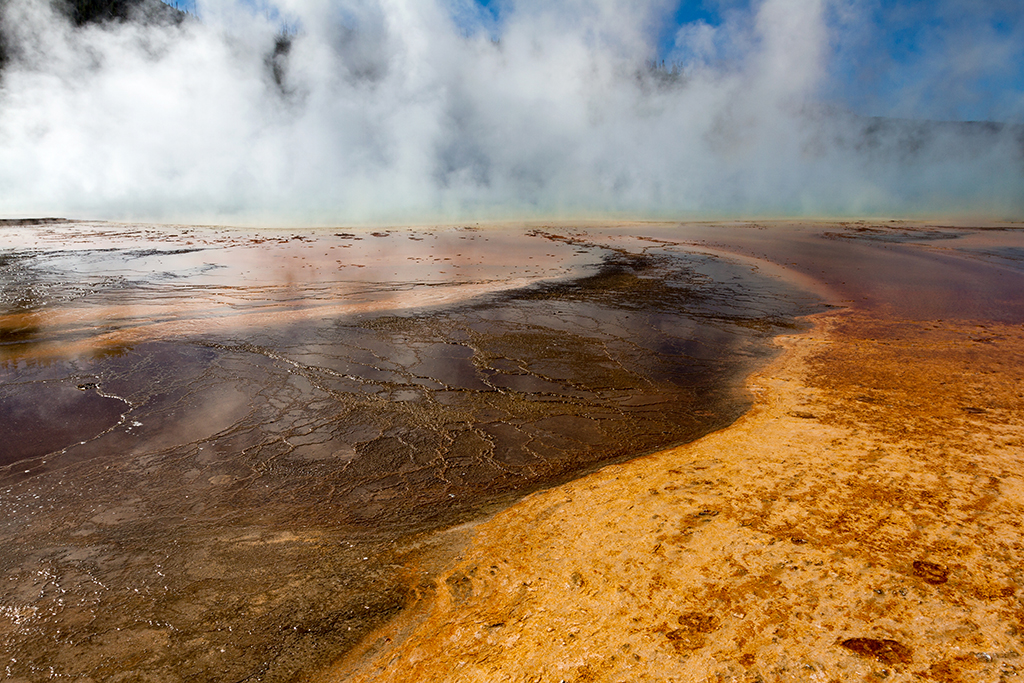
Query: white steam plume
pixel 394 111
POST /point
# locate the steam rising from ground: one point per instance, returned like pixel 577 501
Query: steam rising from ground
pixel 420 110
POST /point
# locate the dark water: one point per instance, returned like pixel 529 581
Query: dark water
pixel 40 417
pixel 227 505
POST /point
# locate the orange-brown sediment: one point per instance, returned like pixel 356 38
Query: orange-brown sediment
pixel 861 522
pixel 243 439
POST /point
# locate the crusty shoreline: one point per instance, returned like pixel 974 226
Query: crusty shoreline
pixel 861 520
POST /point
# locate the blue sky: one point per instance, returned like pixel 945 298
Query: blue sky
pixel 936 59
pixel 939 59
pixel 945 59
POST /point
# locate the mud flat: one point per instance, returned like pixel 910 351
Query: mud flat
pixel 217 447
pixel 861 522
pixel 243 455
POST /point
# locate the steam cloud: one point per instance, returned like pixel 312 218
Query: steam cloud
pixel 422 110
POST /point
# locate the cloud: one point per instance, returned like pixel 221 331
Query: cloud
pixel 403 110
pixel 941 59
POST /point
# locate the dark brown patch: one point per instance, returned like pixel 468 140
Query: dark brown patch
pixel 696 622
pixel 690 635
pixel 683 639
pixel 973 411
pixel 955 670
pixel 884 650
pixel 931 572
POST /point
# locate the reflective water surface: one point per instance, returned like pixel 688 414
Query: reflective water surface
pixel 215 442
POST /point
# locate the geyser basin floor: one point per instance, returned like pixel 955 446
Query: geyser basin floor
pixel 249 513
pixel 861 522
pixel 281 428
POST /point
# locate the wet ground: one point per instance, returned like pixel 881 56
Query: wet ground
pixel 860 523
pixel 214 442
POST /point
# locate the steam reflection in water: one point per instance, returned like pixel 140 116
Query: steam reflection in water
pixel 85 285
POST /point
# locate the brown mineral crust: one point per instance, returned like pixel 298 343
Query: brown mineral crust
pixel 856 524
pixel 931 572
pixel 884 650
pixel 228 504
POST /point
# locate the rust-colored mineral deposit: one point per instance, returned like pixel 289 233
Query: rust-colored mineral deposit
pixel 782 548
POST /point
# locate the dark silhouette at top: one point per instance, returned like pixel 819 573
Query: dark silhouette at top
pixel 149 11
pixel 82 12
